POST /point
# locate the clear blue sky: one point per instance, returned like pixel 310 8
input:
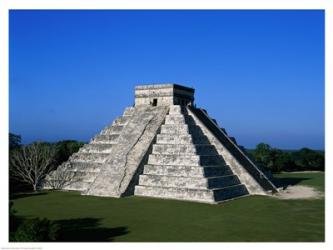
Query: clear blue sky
pixel 260 74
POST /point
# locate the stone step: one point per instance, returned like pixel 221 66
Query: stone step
pixel 84 176
pixel 174 129
pixel 59 175
pixel 105 139
pixel 106 129
pixel 85 166
pixel 230 192
pixel 185 160
pixel 199 149
pixel 223 181
pixel 74 180
pixel 129 111
pixel 89 157
pixel 96 148
pixel 177 109
pixel 179 119
pixel 167 139
pixel 123 120
pixel 178 115
pixel 200 195
pixel 77 186
pixel 187 171
pixel 188 182
pixel 181 139
pixel 115 129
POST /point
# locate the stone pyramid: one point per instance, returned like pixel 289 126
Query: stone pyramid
pixel 162 147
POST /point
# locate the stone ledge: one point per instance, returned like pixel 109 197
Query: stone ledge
pixel 188 182
pixel 187 171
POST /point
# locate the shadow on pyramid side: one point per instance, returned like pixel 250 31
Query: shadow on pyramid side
pixel 162 147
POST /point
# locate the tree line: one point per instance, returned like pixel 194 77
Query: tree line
pixel 277 160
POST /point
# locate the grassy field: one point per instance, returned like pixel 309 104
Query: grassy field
pixel 135 219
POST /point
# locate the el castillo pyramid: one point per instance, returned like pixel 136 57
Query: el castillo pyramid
pixel 162 147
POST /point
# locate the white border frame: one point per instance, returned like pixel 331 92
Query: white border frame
pixel 6 5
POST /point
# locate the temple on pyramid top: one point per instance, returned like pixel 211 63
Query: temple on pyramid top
pixel 162 147
pixel 163 94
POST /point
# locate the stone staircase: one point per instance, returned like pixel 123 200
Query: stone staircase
pixel 82 168
pixel 183 165
pixel 121 170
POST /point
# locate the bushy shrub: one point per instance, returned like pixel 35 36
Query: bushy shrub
pixel 36 230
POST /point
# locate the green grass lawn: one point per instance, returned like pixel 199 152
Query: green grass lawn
pixel 136 219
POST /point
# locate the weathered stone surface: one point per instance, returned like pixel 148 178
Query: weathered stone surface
pixel 90 157
pixel 106 139
pixel 121 121
pixel 186 149
pixel 85 166
pixel 97 148
pixel 187 171
pixel 175 119
pixel 185 160
pixel 175 129
pixel 116 129
pixel 176 193
pixel 188 182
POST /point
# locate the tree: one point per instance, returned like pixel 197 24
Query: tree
pixel 65 149
pixel 262 154
pixel 284 162
pixel 270 158
pixel 277 160
pixel 31 163
pixel 14 141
